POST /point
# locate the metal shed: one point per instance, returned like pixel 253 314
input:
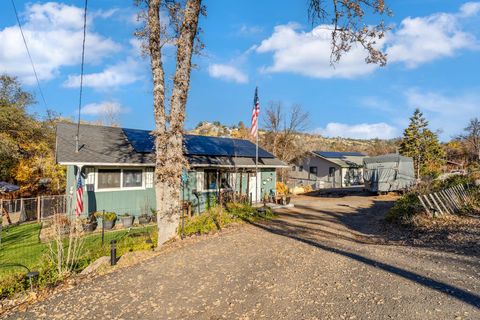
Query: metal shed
pixel 390 172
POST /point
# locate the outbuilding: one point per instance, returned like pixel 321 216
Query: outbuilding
pixel 390 172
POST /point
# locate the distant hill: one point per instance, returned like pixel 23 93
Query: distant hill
pixel 310 142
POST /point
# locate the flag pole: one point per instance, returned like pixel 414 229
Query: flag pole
pixel 256 165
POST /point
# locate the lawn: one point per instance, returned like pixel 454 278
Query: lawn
pixel 21 246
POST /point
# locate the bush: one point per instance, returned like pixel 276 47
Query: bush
pixel 404 209
pixel 217 218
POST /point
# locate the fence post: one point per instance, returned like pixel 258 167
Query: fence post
pixel 39 213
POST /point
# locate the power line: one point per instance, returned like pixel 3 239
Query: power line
pixel 29 56
pixel 81 73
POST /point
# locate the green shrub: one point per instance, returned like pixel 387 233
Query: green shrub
pixel 217 217
pixel 404 209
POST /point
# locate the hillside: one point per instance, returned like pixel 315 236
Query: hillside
pixel 310 141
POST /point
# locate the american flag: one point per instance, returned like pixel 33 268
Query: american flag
pixel 255 113
pixel 79 206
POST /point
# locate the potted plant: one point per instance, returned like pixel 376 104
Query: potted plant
pixel 109 220
pixel 89 223
pixel 144 218
pixel 127 220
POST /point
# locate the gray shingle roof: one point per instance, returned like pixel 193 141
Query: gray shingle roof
pixel 110 145
pixel 342 159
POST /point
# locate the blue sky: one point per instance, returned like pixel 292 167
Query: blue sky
pixel 433 52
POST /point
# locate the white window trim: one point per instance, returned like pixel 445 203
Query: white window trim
pixel 121 188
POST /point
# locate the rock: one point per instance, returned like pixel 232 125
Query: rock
pixel 100 262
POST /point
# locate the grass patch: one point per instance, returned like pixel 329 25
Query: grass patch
pixel 218 217
pixel 21 246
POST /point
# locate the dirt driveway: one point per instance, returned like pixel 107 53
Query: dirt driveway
pixel 324 259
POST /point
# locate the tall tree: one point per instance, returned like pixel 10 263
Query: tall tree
pixel 169 120
pixel 420 143
pixel 472 139
pixel 27 143
pixel 348 27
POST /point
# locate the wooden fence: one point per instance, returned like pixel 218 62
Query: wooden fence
pixel 447 201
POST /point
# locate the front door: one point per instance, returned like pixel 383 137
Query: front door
pixel 253 192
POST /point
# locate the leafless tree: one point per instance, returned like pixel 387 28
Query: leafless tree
pixel 283 129
pixel 472 138
pixel 181 30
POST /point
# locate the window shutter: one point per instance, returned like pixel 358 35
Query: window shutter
pixel 90 178
pixel 149 177
pixel 200 180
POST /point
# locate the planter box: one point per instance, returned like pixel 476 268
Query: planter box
pixel 144 220
pixel 127 221
pixel 108 224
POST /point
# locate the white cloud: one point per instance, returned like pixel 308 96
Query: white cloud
pixel 103 108
pixel 246 30
pixel 424 39
pixel 416 41
pixel 227 72
pixel 470 9
pixel 54 33
pixel 123 73
pixel 448 113
pixel 359 131
pixel 308 53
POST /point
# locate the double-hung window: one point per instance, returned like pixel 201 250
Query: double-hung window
pixel 118 179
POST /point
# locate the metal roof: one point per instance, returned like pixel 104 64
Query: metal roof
pixel 340 155
pixel 392 157
pixel 342 159
pixel 112 145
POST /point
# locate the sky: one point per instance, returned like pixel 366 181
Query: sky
pixel 433 64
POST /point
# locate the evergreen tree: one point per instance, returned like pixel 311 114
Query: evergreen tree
pixel 420 143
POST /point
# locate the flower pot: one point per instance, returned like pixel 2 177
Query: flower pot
pixel 108 224
pixel 89 227
pixel 127 221
pixel 143 219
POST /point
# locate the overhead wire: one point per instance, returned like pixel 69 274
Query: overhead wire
pixel 29 55
pixel 81 74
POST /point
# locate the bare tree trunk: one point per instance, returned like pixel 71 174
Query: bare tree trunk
pixel 169 139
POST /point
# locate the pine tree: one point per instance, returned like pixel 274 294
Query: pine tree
pixel 420 143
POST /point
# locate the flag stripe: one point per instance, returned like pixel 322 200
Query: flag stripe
pixel 255 114
pixel 79 203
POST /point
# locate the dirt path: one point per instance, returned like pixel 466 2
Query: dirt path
pixel 325 259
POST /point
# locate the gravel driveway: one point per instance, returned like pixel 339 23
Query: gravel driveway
pixel 321 260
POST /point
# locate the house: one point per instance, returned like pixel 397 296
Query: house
pixel 326 169
pixel 117 168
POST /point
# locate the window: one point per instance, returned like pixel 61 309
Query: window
pixel 300 168
pixel 119 179
pixel 331 173
pixel 294 168
pixel 210 180
pixel 108 178
pixel 313 173
pixel 132 178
